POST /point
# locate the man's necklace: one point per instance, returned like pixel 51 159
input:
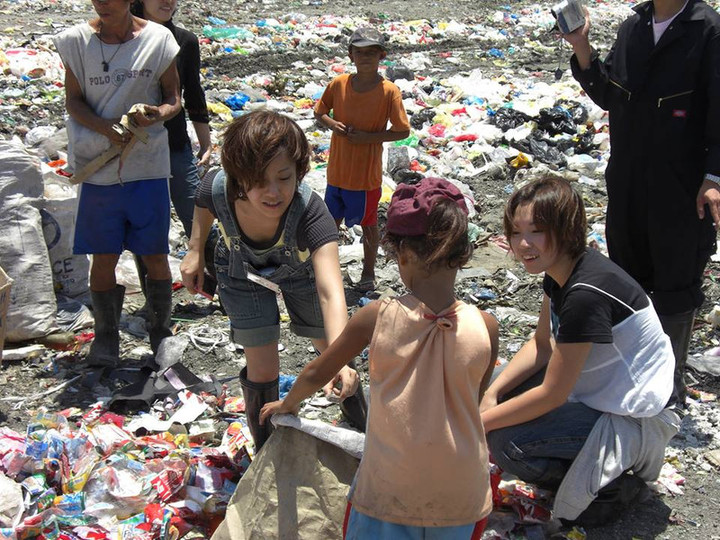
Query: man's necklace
pixel 106 63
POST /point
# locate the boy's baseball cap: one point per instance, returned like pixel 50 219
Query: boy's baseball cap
pixel 367 36
pixel 410 205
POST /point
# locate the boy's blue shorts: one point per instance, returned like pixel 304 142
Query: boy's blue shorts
pixel 133 216
pixel 356 207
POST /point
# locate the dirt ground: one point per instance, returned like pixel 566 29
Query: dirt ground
pixel 690 515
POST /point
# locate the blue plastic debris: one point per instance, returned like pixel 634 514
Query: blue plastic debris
pixel 285 383
pixel 237 101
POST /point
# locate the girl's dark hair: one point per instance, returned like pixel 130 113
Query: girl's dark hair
pixel 137 9
pixel 557 207
pixel 250 144
pixel 446 243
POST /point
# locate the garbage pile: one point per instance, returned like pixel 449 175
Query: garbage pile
pixel 491 104
pixel 95 475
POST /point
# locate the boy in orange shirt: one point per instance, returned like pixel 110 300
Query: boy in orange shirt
pixel 362 104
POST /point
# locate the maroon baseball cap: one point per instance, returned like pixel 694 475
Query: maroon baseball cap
pixel 411 205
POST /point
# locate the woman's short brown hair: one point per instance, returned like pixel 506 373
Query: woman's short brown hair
pixel 557 207
pixel 250 144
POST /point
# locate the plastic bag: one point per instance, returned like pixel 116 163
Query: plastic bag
pixel 541 150
pixel 418 119
pixel 506 118
pixel 556 120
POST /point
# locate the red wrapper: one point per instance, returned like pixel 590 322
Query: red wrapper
pixel 528 511
pixel 167 483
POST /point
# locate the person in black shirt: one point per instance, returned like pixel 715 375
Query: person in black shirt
pixel 660 83
pixel 184 169
pixel 598 358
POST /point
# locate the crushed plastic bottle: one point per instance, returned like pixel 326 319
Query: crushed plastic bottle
pixel 227 32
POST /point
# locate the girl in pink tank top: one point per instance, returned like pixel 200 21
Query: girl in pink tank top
pixel 425 465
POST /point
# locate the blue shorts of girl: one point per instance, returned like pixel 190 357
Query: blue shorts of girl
pixel 359 526
pixel 253 309
pixel 133 216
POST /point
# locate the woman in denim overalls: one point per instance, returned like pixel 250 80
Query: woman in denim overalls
pixel 264 212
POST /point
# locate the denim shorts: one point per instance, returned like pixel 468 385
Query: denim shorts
pixel 133 216
pixel 253 309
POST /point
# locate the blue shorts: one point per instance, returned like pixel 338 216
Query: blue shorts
pixel 355 207
pixel 359 526
pixel 133 216
pixel 253 309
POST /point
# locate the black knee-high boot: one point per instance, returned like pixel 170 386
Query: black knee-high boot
pixel 354 408
pixel 159 300
pixel 142 274
pixel 679 327
pixel 107 308
pixel 256 395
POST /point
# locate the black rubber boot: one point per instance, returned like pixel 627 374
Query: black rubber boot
pixel 613 500
pixel 210 281
pixel 256 395
pixel 142 273
pixel 107 308
pixel 354 409
pixel 142 276
pixel 159 301
pixel 679 327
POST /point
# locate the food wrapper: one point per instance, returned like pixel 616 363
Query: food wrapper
pixel 43 523
pixel 71 504
pixel 35 484
pixel 237 445
pixel 112 418
pixel 109 437
pixel 50 420
pixel 209 479
pixel 202 430
pixel 74 479
pixel 576 534
pixel 92 416
pixel 527 510
pixel 13 462
pixel 127 529
pixel 11 441
pixel 93 532
pixel 45 500
pixel 168 482
pixel 234 404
